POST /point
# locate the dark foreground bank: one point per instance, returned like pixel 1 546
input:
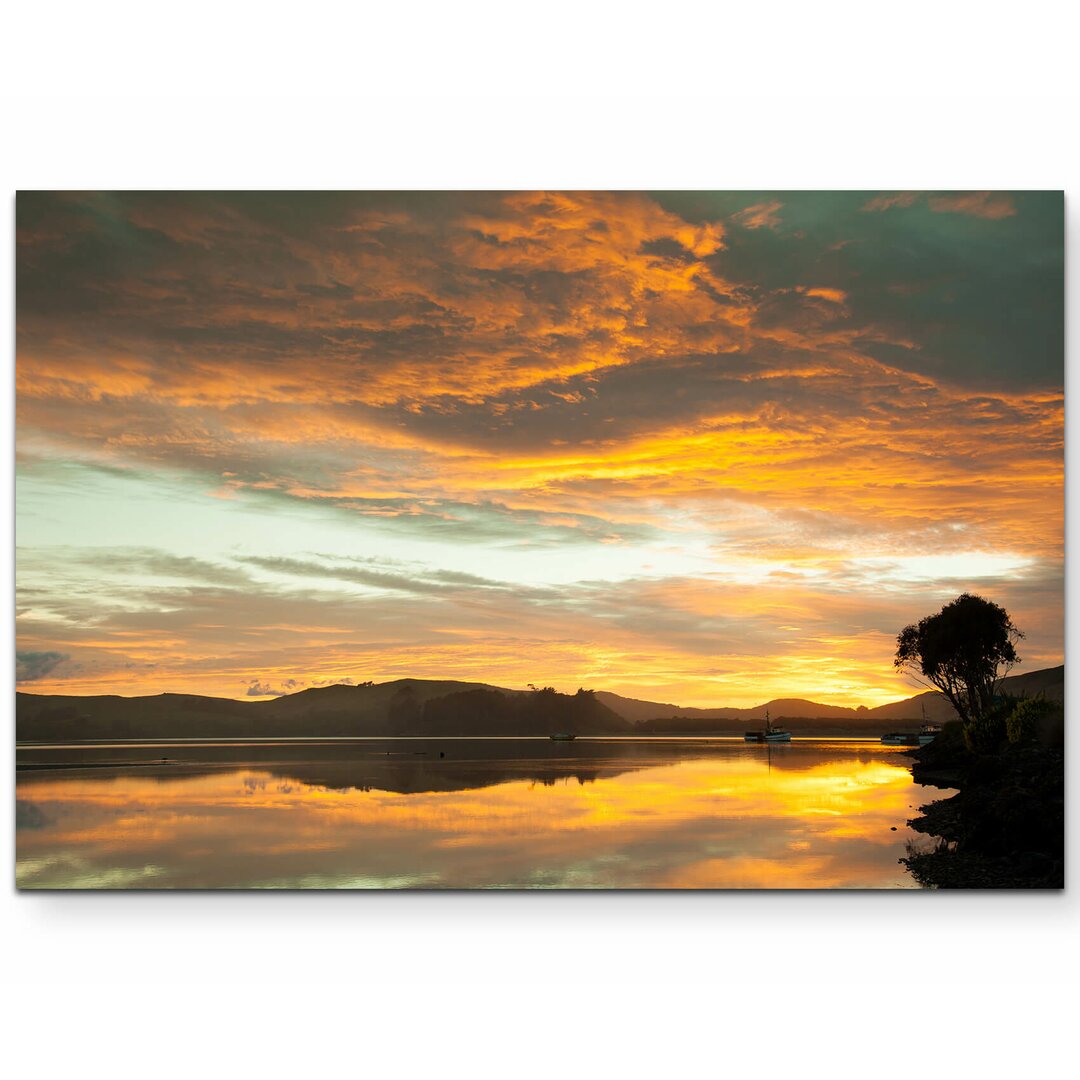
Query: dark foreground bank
pixel 1004 829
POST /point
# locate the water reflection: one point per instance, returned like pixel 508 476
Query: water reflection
pixel 487 813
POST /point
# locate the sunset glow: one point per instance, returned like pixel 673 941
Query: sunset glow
pixel 698 448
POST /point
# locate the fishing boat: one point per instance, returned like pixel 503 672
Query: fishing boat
pixel 900 738
pixel 562 736
pixel 911 738
pixel 770 733
pixel 922 737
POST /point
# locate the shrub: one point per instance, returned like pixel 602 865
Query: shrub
pixel 984 734
pixel 1021 725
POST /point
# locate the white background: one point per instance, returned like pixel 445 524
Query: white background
pixel 628 95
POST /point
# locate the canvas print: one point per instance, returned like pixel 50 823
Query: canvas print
pixel 539 540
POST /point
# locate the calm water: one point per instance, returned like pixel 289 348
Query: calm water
pixel 512 813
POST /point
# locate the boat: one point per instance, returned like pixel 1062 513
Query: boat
pixel 911 738
pixel 562 736
pixel 770 733
pixel 922 737
pixel 901 738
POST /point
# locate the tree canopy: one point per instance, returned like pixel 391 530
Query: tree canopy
pixel 963 650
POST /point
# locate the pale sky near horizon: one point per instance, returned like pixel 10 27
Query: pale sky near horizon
pixel 706 448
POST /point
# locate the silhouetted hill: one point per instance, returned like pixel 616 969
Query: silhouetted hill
pixel 637 711
pixel 449 707
pixel 1047 682
pixel 390 708
pixel 653 717
pixel 402 707
pixel 544 712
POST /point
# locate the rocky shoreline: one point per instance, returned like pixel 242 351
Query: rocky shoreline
pixel 1005 827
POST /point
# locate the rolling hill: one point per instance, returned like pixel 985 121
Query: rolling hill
pixel 658 717
pixel 443 707
pixel 403 707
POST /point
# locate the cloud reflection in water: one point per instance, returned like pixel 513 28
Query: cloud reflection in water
pixel 650 815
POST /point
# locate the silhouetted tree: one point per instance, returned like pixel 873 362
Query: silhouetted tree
pixel 963 650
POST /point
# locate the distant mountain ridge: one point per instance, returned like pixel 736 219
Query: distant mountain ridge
pixel 447 707
pixel 654 715
pixel 404 707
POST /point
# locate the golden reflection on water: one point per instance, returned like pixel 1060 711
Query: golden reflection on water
pixel 792 817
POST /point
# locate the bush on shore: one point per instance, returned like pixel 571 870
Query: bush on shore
pixel 1023 723
pixel 1005 827
pixel 985 733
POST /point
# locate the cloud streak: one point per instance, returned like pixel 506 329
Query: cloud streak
pixel 32 666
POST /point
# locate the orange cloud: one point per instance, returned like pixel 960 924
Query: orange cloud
pixel 983 204
pixel 836 296
pixel 764 215
pixel 887 202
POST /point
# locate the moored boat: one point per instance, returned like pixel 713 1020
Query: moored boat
pixel 922 737
pixel 770 733
pixel 900 738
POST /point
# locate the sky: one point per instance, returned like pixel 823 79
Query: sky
pixel 707 448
